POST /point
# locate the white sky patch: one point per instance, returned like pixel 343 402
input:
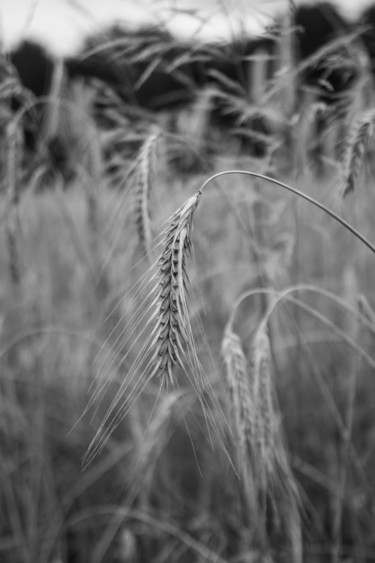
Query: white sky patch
pixel 63 25
pixel 213 20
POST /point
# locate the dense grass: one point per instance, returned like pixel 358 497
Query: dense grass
pixel 173 480
pixel 160 490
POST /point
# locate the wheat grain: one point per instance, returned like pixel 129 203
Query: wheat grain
pixel 242 415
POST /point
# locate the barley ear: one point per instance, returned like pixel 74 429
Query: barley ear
pixel 238 385
pixel 142 194
pixel 265 418
pixel 171 334
pixel 365 308
pixel 242 414
pixel 363 131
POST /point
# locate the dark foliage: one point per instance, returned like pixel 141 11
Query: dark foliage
pixel 153 71
pixel 34 66
pixel 367 26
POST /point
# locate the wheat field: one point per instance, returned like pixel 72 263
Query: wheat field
pixel 187 342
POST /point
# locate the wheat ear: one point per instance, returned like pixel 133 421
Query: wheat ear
pixel 238 384
pixel 172 332
pixel 363 132
pixel 266 423
pixel 142 194
pixel 13 224
pixel 242 413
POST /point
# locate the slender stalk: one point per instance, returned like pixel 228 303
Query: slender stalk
pixel 300 194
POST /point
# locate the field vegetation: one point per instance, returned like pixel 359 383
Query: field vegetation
pixel 187 353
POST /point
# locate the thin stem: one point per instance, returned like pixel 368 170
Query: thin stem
pixel 311 200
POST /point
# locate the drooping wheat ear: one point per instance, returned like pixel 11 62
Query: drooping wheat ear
pixel 142 193
pixel 238 385
pixel 171 334
pixel 250 394
pixel 275 477
pixel 363 132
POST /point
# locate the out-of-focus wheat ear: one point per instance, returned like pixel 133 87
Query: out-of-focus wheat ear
pixel 51 121
pixel 363 131
pixel 14 150
pixel 319 121
pixel 171 334
pixel 365 308
pixel 306 132
pixel 274 472
pixel 266 421
pixel 242 412
pixel 237 382
pixel 143 192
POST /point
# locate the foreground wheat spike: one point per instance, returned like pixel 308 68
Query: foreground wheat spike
pixel 362 134
pixel 172 332
pixel 142 194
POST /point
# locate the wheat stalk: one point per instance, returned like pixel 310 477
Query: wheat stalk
pixel 169 341
pixel 363 132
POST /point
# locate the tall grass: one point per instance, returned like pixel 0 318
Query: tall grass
pixel 223 413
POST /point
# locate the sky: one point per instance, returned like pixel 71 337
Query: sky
pixel 62 25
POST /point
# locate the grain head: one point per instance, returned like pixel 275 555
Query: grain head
pixel 362 133
pixel 142 194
